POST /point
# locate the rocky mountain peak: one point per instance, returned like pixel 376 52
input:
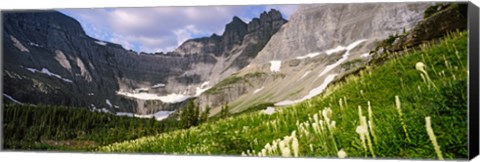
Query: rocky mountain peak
pixel 42 21
pixel 268 20
pixel 234 33
pixel 273 14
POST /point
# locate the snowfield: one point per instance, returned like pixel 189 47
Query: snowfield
pixel 314 92
pixel 158 85
pixel 108 102
pixel 12 99
pixel 202 88
pixel 306 73
pixel 46 71
pixel 19 45
pixel 275 65
pixel 101 43
pixel 344 57
pixel 258 90
pixel 158 115
pixel 34 44
pixel 365 55
pixel 310 55
pixel 171 98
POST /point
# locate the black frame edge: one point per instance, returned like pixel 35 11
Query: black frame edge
pixel 2 141
pixel 473 93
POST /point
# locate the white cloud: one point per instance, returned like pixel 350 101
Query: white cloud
pixel 161 28
pixel 185 33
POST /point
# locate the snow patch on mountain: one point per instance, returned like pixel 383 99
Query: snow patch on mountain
pixel 46 71
pixel 34 44
pixel 306 73
pixel 202 88
pixel 310 55
pixel 365 55
pixel 158 115
pixel 12 99
pixel 158 85
pixel 314 92
pixel 344 57
pixel 170 98
pixel 108 102
pixel 275 65
pixel 101 43
pixel 19 45
pixel 258 90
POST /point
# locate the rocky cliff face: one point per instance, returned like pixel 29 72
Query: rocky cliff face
pixel 315 28
pixel 48 59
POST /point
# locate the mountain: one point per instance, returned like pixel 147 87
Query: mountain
pixel 320 44
pixel 49 59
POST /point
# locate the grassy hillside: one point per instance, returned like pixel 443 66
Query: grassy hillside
pixel 379 113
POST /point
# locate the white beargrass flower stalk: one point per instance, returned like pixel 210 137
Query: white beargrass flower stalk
pixel 370 122
pixel 341 154
pixel 295 146
pixel 369 141
pixel 340 103
pixel 345 101
pixel 281 145
pixel 423 78
pixel 420 66
pixel 431 135
pixel 264 152
pixel 361 129
pixel 400 114
pixel 360 114
pixel 315 128
pixel 361 132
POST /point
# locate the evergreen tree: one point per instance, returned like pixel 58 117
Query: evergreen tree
pixel 189 115
pixel 225 110
pixel 205 113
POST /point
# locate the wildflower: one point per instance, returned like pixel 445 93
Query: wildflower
pixel 269 111
pixel 284 149
pixel 341 154
pixel 340 103
pixel 360 112
pixel 295 146
pixel 315 128
pixel 327 113
pixel 420 67
pixel 400 114
pixel 332 125
pixel 362 131
pixel 431 135
pixel 263 153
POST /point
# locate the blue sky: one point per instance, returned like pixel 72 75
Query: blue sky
pixel 163 28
